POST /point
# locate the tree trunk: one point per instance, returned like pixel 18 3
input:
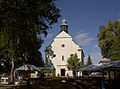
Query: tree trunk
pixel 12 72
pixel 74 75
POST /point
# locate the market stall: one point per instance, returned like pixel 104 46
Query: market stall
pixel 27 73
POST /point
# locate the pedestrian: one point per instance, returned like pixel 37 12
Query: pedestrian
pixel 67 76
pixel 42 78
pixel 58 74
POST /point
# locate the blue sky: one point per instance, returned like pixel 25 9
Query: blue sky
pixel 84 17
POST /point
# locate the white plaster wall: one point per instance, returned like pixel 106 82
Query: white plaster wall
pixel 59 51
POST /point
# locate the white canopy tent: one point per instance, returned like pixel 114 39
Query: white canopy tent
pixel 27 67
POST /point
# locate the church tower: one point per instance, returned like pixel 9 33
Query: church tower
pixel 64 26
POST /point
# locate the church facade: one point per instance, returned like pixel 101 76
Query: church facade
pixel 63 46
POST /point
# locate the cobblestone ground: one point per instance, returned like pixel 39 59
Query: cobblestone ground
pixel 49 84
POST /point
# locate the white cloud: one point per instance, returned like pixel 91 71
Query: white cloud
pixel 96 55
pixel 95 48
pixel 83 39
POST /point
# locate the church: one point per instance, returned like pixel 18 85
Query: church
pixel 63 46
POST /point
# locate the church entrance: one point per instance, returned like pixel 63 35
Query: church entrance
pixel 62 72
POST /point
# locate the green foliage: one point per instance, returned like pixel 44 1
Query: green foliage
pixel 74 62
pixel 21 21
pixel 89 61
pixel 109 40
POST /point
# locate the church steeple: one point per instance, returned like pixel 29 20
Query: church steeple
pixel 64 26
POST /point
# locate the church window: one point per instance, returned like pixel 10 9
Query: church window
pixel 54 55
pixel 79 49
pixel 71 54
pixel 62 57
pixel 63 45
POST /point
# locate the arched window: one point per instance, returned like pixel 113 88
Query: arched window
pixel 62 57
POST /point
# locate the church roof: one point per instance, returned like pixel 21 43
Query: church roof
pixel 63 34
pixel 64 22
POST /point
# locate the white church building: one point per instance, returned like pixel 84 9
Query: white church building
pixel 63 46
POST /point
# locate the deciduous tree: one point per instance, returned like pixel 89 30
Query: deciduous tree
pixel 109 40
pixel 74 63
pixel 21 21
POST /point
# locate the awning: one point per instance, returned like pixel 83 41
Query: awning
pixel 50 69
pixel 101 67
pixel 92 67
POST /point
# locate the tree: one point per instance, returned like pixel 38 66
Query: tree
pixel 21 22
pixel 49 53
pixel 74 63
pixel 89 61
pixel 109 40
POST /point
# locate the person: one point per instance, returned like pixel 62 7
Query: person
pixel 58 74
pixel 42 78
pixel 67 76
pixel 0 76
pixel 39 75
